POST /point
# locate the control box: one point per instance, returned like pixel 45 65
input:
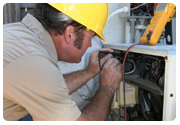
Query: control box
pixel 152 76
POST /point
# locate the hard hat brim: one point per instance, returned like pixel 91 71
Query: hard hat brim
pixel 97 27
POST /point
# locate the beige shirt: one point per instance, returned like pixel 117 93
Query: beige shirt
pixel 32 82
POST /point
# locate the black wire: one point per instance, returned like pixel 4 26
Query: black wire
pixel 117 115
pixel 151 107
pixel 147 99
pixel 100 60
pixel 142 104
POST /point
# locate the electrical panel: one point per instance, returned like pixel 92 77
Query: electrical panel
pixel 150 77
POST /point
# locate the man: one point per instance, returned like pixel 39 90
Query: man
pixel 32 82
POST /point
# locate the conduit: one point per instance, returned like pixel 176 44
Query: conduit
pixel 121 10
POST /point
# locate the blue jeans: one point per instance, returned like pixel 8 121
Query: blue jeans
pixel 27 118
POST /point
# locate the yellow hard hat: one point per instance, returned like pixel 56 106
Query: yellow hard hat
pixel 93 16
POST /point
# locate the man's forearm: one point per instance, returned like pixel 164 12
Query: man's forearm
pixel 77 79
pixel 99 107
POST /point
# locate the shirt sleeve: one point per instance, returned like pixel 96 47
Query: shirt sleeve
pixel 35 82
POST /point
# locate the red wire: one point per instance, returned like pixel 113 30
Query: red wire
pixel 152 7
pixel 147 8
pixel 123 72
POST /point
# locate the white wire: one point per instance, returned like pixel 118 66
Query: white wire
pixel 133 69
pixel 88 89
pixel 138 6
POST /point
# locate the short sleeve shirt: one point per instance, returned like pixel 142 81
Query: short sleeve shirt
pixel 32 82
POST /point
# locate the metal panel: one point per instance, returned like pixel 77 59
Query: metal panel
pixel 169 107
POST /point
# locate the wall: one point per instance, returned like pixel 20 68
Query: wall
pixel 114 33
pixel 11 13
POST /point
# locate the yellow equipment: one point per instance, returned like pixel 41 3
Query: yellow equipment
pixel 93 16
pixel 162 15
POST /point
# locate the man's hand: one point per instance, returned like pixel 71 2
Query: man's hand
pixel 111 74
pixel 93 66
pixel 110 78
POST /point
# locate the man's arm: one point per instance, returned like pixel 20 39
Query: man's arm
pixel 77 79
pixel 110 78
pixel 99 107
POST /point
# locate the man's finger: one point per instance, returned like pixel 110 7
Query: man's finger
pixel 106 49
pixel 115 63
pixel 105 58
pixel 119 67
pixel 112 62
pixel 103 49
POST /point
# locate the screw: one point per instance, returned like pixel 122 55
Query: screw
pixel 171 95
pixel 166 58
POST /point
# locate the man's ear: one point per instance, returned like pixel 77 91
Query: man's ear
pixel 68 34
